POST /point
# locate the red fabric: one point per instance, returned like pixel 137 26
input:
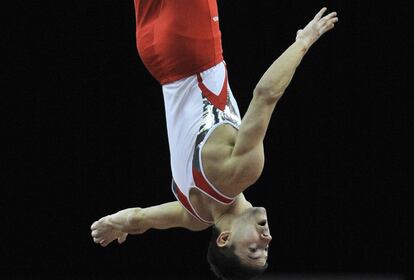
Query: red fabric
pixel 184 200
pixel 218 101
pixel 202 184
pixel 177 38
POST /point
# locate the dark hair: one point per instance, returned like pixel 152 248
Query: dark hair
pixel 226 265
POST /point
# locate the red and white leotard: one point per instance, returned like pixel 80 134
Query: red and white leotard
pixel 179 41
pixel 177 38
pixel 195 106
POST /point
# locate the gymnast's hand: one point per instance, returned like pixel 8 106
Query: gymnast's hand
pixel 317 27
pixel 117 226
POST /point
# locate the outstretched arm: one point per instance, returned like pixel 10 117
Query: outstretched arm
pixel 138 220
pixel 247 159
pixel 278 76
pixel 276 79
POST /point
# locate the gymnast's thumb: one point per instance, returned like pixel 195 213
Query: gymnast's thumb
pixel 122 238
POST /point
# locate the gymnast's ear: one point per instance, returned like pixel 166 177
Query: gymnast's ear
pixel 223 239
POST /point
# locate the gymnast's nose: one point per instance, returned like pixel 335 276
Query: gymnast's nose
pixel 266 237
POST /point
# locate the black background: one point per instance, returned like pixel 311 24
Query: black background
pixel 86 137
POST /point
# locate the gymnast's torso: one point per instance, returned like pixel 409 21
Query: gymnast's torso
pixel 202 122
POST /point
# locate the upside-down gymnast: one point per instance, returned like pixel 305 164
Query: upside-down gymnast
pixel 215 155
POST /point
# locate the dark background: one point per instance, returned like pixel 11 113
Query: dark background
pixel 86 137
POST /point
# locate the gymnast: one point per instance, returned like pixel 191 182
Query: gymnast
pixel 215 154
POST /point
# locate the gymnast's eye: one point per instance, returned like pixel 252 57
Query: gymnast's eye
pixel 253 250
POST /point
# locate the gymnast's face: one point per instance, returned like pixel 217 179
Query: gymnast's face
pixel 250 236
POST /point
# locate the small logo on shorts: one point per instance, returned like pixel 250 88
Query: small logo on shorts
pixel 216 18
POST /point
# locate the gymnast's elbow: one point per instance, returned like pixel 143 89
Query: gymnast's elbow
pixel 267 93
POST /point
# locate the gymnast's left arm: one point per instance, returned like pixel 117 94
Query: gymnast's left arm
pixel 138 220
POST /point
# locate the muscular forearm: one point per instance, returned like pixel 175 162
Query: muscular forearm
pixel 164 216
pixel 278 76
pixel 130 220
pixel 276 79
pixel 138 220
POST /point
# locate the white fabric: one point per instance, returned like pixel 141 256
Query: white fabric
pixel 183 107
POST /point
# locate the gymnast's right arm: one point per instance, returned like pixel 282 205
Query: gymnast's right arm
pixel 138 220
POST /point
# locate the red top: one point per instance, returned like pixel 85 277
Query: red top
pixel 177 38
